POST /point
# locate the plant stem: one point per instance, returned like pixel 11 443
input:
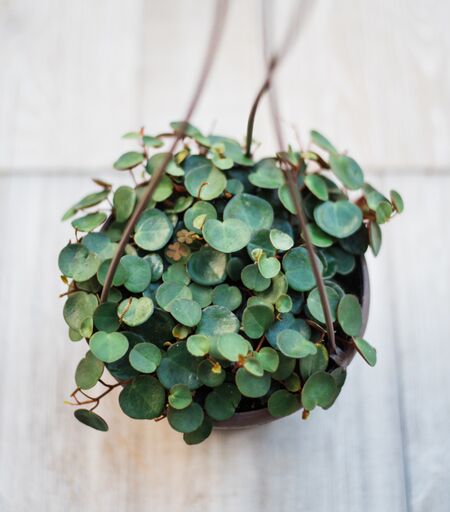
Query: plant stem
pixel 216 32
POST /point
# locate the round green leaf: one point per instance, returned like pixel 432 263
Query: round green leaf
pixel 317 185
pixel 298 270
pixel 208 266
pixel 200 209
pixel 280 240
pixel 268 266
pixel 284 303
pixel 199 435
pixel 143 399
pixel 176 273
pixel 253 366
pixel 340 219
pixel 128 161
pixel 217 320
pixel 285 368
pixel 211 375
pixel 119 277
pixel 383 212
pixel 268 358
pixel 227 296
pixel 76 261
pixel 347 170
pixel 228 236
pixel 315 305
pixel 100 244
pixel 205 181
pixel 153 230
pixel 164 190
pixel 314 363
pixel 292 344
pixel 108 346
pixel 78 307
pixel 178 367
pixel 138 273
pixel 397 201
pixel 231 346
pixel 201 294
pixel 357 243
pixel 349 315
pixel 287 321
pixel 186 311
pixel 366 350
pixel 319 140
pixel 91 419
pixel 256 319
pixel 318 237
pixel 124 201
pixel 198 345
pixel 169 292
pixel 267 174
pixel 282 403
pixel 345 262
pixel 218 406
pixel 254 211
pixel 89 222
pixel 88 371
pixel 251 386
pixel 156 161
pixel 261 240
pixel 253 280
pixel 134 311
pixel 105 317
pixel 320 389
pixel 180 396
pixel 145 357
pixel 186 420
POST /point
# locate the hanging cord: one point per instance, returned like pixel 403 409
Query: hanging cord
pixel 297 23
pixel 214 39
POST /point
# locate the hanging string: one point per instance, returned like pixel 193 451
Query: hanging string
pixel 213 43
pixel 296 25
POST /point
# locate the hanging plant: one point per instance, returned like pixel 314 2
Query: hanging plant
pixel 214 312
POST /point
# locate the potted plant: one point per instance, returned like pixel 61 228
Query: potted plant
pixel 214 315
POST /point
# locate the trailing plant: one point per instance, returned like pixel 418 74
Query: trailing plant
pixel 214 307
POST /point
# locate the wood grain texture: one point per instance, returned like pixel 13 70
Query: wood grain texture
pixel 381 447
pixel 76 75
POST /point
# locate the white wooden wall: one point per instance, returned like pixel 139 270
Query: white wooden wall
pixel 374 77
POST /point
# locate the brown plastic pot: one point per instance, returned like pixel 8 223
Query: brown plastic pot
pixel 361 285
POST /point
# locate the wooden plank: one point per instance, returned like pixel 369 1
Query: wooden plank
pixel 349 458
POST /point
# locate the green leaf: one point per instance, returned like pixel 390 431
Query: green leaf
pixel 232 149
pixel 345 262
pixel 298 270
pixel 100 244
pixel 143 399
pixel 314 363
pixel 180 396
pixel 284 303
pixel 211 375
pixel 135 311
pixel 292 344
pixel 267 174
pixel 253 366
pixel 199 435
pixel 357 243
pixel 285 197
pixel 217 320
pixel 152 142
pixel 153 230
pixel 207 266
pixel 78 307
pixel 282 403
pixel 124 201
pixel 261 240
pixel 201 294
pixel 268 358
pixel 254 211
pixel 227 296
pixel 186 311
pixel 156 265
pixel 253 280
pixel 317 185
pixel 228 236
pixel 105 317
pixel 280 240
pixel 268 266
pixel 315 305
pixel 128 161
pixel 198 345
pixel 186 420
pixel 108 346
pixel 347 170
pixel 164 190
pixel 222 402
pixel 231 346
pixel 138 273
pixel 383 212
pixel 91 419
pixel 320 389
pixel 86 202
pixel 285 368
pixel 199 209
pixel 375 237
pixel 319 140
pixel 145 357
pixel 179 367
pixel 287 321
pixel 89 371
pixel 76 261
pixel 204 181
pixel 373 197
pixel 349 315
pixel 256 319
pixel 89 222
pixel 251 386
pixel 340 219
pixel 397 201
pixel 318 237
pixel 120 275
pixel 366 350
pixel 169 292
pixel 156 161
